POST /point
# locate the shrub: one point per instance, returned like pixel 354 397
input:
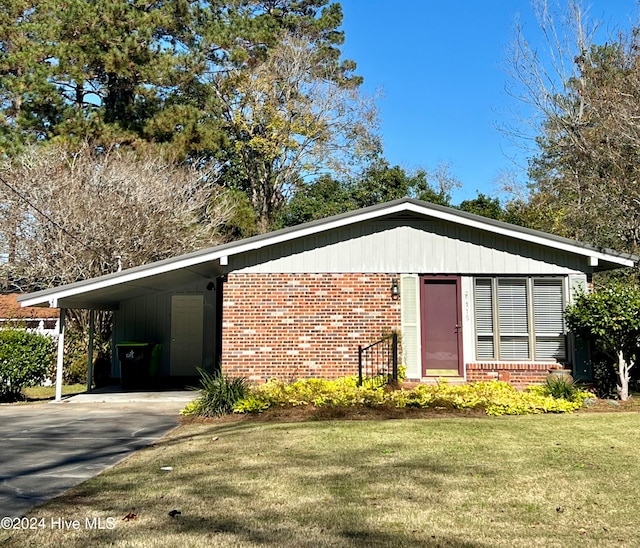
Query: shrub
pixel 561 387
pixel 610 317
pixel 251 404
pixel 191 408
pixel 605 379
pixel 402 373
pixel 343 392
pixel 494 398
pixel 76 345
pixel 218 394
pixel 24 360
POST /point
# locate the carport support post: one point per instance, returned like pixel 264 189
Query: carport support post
pixel 63 313
pixel 92 321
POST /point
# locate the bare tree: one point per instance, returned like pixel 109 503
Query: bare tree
pixel 543 76
pixel 72 215
pixel 583 101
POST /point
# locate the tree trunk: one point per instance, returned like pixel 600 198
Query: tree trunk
pixel 623 373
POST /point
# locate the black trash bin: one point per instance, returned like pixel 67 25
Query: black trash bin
pixel 135 360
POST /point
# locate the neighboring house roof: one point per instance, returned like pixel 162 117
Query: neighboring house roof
pixel 10 309
pixel 106 291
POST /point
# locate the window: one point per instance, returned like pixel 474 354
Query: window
pixel 519 319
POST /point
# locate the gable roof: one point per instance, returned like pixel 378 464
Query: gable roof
pixel 105 291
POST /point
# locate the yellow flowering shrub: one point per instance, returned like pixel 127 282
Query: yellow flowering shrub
pixel 318 392
pixel 494 397
pixel 191 408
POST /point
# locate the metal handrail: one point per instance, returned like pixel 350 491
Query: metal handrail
pixel 378 362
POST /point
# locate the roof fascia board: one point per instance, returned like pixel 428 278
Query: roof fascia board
pixel 87 305
pixel 123 277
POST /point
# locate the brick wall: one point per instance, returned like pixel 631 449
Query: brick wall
pixel 520 375
pixel 293 326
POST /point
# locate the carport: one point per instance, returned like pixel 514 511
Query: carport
pixel 176 302
pixel 191 284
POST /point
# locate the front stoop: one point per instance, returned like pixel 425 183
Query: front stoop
pixel 412 383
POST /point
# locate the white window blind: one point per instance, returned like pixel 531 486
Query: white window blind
pixel 513 319
pixel 519 318
pixel 512 306
pixel 548 309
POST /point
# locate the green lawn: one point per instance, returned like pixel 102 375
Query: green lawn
pixel 543 480
pixel 36 393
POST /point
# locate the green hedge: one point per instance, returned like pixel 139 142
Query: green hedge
pixel 24 360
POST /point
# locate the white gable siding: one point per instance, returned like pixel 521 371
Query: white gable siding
pixel 408 247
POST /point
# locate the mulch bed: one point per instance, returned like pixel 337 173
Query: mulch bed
pixel 308 413
pixel 311 413
pixel 613 406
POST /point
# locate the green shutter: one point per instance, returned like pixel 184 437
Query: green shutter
pixel 581 350
pixel 410 316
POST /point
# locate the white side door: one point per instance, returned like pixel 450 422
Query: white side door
pixel 187 314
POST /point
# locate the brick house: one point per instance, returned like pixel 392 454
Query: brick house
pixel 473 298
pixel 42 320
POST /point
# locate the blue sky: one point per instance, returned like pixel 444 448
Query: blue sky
pixel 441 68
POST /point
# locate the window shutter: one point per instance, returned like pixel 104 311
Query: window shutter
pixel 513 319
pixel 579 352
pixel 484 319
pixel 410 317
pixel 548 317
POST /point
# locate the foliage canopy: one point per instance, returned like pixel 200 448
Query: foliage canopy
pixel 611 318
pixel 581 99
pixel 256 89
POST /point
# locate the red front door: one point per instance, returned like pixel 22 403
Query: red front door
pixel 441 322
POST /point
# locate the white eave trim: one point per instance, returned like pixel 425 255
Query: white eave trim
pixel 122 277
